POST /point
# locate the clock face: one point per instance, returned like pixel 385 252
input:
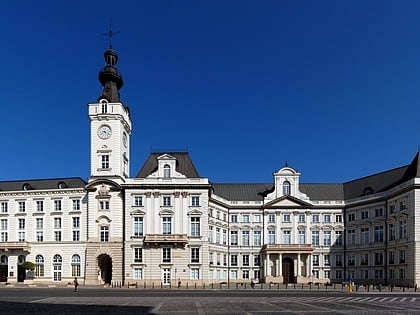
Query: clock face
pixel 104 132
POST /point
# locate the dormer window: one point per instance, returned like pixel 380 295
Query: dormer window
pixel 286 188
pixel 166 171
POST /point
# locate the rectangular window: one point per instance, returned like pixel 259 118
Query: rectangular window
pixel 234 238
pixel 195 201
pixel 327 218
pixel 364 215
pixel 271 218
pixel 245 238
pixel 379 212
pixel 391 232
pixel 104 161
pixel 364 235
pixel 166 201
pixel 195 226
pixel 245 218
pixel 338 238
pixel 39 223
pixel 21 224
pixel 286 237
pixel 39 236
pixel 315 218
pixel 315 260
pixel 327 238
pixel 286 218
pixel 379 258
pixel 245 260
pixel 234 218
pixel 76 222
pixel 271 237
pixel 138 255
pixel 4 236
pixel 76 205
pixel 195 255
pixel 315 238
pixel 138 201
pixel 4 207
pixel 327 260
pixel 138 273
pixel 364 259
pixel 104 205
pixel 234 274
pixel 57 205
pixel 224 237
pixel 3 224
pixel 402 256
pixel 257 218
pixel 301 237
pixel 166 225
pixel 39 205
pixel 195 274
pixel 338 218
pixel 57 223
pixel 351 261
pixel 245 274
pixel 21 236
pixel 233 260
pixel 57 236
pixel 22 206
pixel 351 217
pixel 391 257
pixel 351 237
pixel 257 260
pixel 379 234
pixel 166 255
pixel 301 218
pixel 104 233
pixel 76 236
pixel 403 228
pixel 138 226
pixel 257 238
pixel 338 260
pixel 217 235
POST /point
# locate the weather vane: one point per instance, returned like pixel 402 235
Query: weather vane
pixel 110 33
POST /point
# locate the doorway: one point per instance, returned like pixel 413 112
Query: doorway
pixel 166 276
pixel 288 270
pixel 105 268
pixel 3 268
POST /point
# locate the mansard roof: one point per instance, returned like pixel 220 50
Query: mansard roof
pixel 184 164
pixel 382 181
pixel 42 184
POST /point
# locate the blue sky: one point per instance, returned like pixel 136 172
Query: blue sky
pixel 331 87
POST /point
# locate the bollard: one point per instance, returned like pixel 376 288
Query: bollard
pixel 294 286
pixel 350 287
pixel 310 285
pixel 404 289
pixel 318 285
pixel 302 286
pixel 287 285
pixel 415 288
pixel 212 285
pixel 278 285
pixel 144 285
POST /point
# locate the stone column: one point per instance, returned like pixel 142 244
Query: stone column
pixel 280 265
pixel 298 266
pixel 267 265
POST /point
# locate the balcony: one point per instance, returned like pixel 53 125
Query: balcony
pixel 165 239
pixel 14 246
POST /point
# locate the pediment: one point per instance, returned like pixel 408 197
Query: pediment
pixel 166 157
pixel 137 212
pixel 103 218
pixel 287 202
pixel 194 212
pixel 166 212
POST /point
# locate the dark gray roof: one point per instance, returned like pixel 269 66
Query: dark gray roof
pixel 42 184
pixel 323 191
pixel 241 192
pixel 184 164
pixel 382 181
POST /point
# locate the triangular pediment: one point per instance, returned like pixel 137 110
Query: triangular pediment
pixel 287 201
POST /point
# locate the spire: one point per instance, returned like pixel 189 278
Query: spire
pixel 109 76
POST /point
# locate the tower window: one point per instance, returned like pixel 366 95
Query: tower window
pixel 104 107
pixel 105 161
pixel 286 188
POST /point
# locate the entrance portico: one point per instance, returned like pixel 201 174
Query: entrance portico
pixel 288 263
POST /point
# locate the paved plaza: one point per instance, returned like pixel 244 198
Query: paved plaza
pixel 134 301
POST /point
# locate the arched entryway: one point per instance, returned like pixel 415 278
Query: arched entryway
pixel 105 268
pixel 3 268
pixel 288 270
pixel 21 270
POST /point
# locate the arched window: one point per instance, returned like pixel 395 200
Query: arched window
pixel 286 188
pixel 39 269
pixel 75 266
pixel 21 259
pixel 104 107
pixel 57 267
pixel 166 171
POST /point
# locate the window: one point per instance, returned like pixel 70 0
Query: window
pixel 338 218
pixel 327 218
pixel 379 274
pixel 245 238
pixel 22 206
pixel 338 260
pixel 195 201
pixel 57 223
pixel 138 201
pixel 104 107
pixel 39 205
pixel 245 274
pixel 286 237
pixel 402 273
pixel 286 218
pixel 76 222
pixel 224 237
pixel 195 226
pixel 3 224
pixel 138 255
pixel 351 237
pixel 76 205
pixel 391 232
pixel 105 161
pixel 195 274
pixel 4 237
pixel 57 205
pixel 402 256
pixel 39 266
pixel 315 260
pixel 166 255
pixel 234 218
pixel 365 235
pixel 21 236
pixel 364 215
pixel 315 218
pixel 364 259
pixel 138 226
pixel 233 260
pixel 103 205
pixel 257 218
pixel 286 188
pixel 4 207
pixel 257 238
pixel 365 274
pixel 76 226
pixel 257 260
pixel 379 258
pixel 379 212
pixel 327 238
pixel 271 237
pixel 217 235
pixel 271 218
pixel 245 218
pixel 403 228
pixel 166 171
pixel 379 234
pixel 391 259
pixel 166 201
pixel 234 238
pixel 245 260
pixel 327 274
pixel 195 255
pixel 166 225
pixel 338 238
pixel 57 236
pixel 315 238
pixel 210 234
pixel 104 233
pixel 39 236
pixel 138 273
pixel 234 274
pixel 76 236
pixel 301 237
pixel 351 217
pixel 75 266
pixel 301 218
pixel 57 266
pixel 351 261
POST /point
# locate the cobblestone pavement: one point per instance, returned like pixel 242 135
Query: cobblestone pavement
pixel 104 301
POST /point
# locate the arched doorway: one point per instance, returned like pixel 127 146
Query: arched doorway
pixel 3 268
pixel 288 270
pixel 21 271
pixel 105 268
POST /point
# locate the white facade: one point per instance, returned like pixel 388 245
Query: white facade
pixel 169 225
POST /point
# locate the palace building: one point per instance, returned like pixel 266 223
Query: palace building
pixel 168 224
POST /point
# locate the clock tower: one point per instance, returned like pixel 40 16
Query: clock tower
pixel 110 126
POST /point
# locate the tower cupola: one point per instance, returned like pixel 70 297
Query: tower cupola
pixel 110 78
